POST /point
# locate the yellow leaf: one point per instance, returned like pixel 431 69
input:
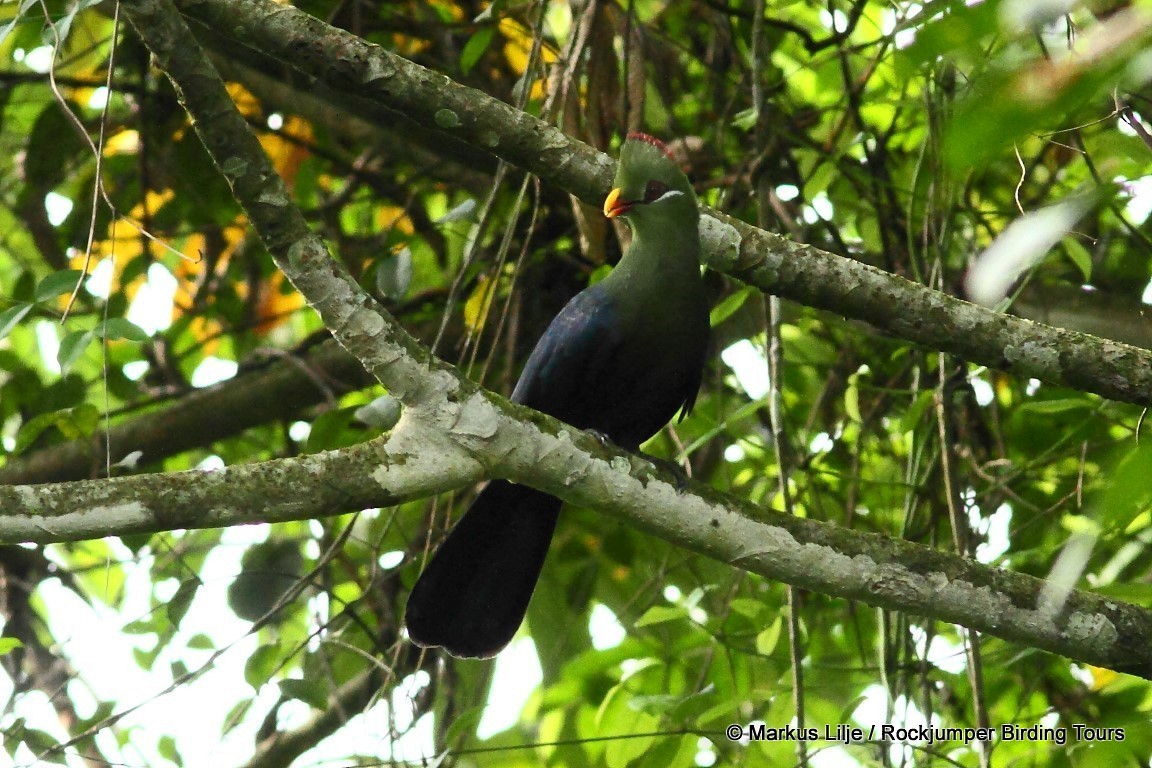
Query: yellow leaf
pixel 1102 678
pixel 125 142
pixel 476 308
pixel 275 306
pixel 518 50
pixel 393 217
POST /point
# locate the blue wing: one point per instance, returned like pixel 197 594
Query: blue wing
pixel 594 370
pixel 573 361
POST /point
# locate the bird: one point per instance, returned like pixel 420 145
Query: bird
pixel 620 359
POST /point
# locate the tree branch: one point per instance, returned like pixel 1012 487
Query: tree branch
pixel 374 474
pixel 452 432
pixel 280 749
pixel 772 263
pixel 278 391
pixel 514 443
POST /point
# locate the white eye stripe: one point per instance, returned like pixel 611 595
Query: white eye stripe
pixel 668 194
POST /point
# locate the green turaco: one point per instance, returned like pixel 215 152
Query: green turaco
pixel 621 358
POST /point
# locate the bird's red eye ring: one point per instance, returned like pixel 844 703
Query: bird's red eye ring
pixel 654 191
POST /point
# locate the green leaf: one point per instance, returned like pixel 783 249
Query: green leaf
pixel 671 752
pixel 261 665
pixel 72 346
pixel 64 23
pixel 237 714
pixel 766 641
pixel 81 421
pixel 1057 406
pixel 144 659
pixel 1007 107
pixel 12 316
pixel 746 606
pixel 6 29
pixel 58 283
pixel 1079 256
pixel 180 602
pixel 166 746
pixel 73 423
pixel 103 711
pixel 964 30
pixel 11 735
pixel 746 119
pixel 475 48
pixel 53 143
pixel 1129 489
pixel 915 413
pixel 145 626
pixel 464 724
pixel 852 399
pixel 121 328
pixel 93 563
pixel 658 614
pixel 726 308
pixel 201 642
pixel 617 715
pixel 311 692
pixel 43 743
pixel 9 644
pixel 333 430
pixel 1140 594
pixel 599 274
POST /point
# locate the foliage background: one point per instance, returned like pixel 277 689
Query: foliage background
pixel 905 135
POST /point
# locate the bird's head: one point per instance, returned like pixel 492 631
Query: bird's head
pixel 649 183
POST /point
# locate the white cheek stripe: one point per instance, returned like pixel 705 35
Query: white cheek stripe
pixel 668 194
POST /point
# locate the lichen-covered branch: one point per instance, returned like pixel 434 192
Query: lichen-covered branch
pixel 775 264
pixel 361 325
pixel 469 432
pixel 416 461
pixel 281 390
pixel 374 474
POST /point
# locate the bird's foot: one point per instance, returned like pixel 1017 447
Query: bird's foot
pixel 682 476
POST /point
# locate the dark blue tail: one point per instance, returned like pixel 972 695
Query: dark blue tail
pixel 474 593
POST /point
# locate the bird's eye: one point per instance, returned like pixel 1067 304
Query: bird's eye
pixel 654 191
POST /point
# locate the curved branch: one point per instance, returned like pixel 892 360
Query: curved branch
pixel 280 749
pixel 772 263
pixel 282 389
pixel 485 431
pixel 378 473
pixel 451 424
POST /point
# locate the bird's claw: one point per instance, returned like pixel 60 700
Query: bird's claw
pixel 682 477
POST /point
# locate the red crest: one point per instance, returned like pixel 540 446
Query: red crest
pixel 638 136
